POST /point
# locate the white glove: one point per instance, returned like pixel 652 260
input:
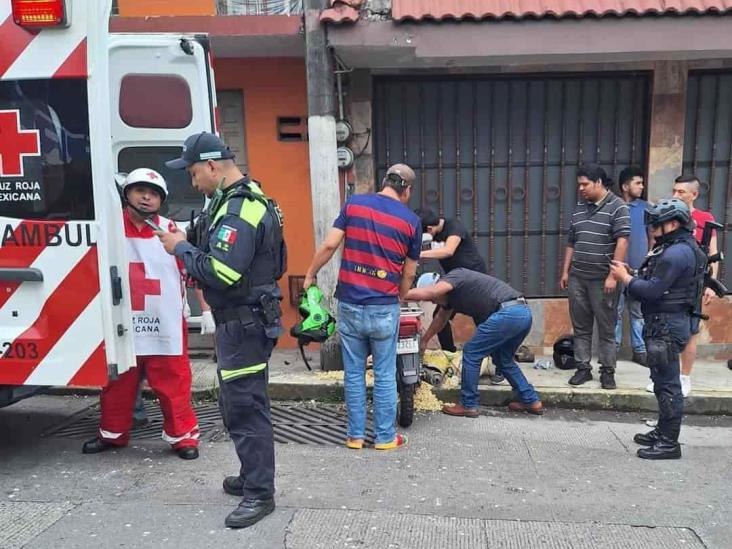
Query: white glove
pixel 186 309
pixel 208 326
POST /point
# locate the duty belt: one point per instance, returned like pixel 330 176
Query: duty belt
pixel 512 302
pixel 245 313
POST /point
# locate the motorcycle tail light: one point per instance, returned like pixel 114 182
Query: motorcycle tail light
pixel 408 327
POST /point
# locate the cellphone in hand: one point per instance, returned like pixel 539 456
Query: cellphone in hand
pixel 154 226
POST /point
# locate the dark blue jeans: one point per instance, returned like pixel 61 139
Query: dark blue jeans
pixel 673 330
pixel 498 337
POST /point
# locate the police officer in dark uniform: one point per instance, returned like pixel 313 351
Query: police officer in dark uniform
pixel 242 256
pixel 669 286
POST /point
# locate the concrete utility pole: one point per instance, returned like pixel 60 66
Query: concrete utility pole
pixel 324 181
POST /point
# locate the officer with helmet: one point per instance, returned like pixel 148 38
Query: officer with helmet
pixel 237 266
pixel 159 328
pixel 669 286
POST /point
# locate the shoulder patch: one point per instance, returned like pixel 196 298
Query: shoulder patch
pixel 226 234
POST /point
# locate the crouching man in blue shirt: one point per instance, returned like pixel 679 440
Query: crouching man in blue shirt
pixel 669 286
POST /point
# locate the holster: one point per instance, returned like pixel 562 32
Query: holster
pixel 271 309
pixel 658 352
pixel 659 347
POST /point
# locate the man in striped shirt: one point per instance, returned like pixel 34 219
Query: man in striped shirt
pixel 383 238
pixel 598 234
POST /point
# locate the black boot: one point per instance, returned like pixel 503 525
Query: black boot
pixel 647 439
pixel 664 448
pixel 95 446
pixel 582 375
pixel 607 380
pixel 188 452
pixel 234 486
pixel 249 512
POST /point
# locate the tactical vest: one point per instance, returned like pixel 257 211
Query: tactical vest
pixel 270 257
pixel 684 295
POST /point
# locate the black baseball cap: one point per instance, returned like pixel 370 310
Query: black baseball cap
pixel 200 147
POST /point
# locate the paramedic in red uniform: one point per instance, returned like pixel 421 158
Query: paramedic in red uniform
pixel 156 287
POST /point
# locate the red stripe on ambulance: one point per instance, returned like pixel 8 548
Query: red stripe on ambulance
pixel 15 40
pixel 94 371
pixel 22 356
pixel 21 248
pixel 75 64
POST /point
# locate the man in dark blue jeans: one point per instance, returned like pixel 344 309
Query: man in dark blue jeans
pixel 502 319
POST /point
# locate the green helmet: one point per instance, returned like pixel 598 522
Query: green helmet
pixel 668 209
pixel 317 323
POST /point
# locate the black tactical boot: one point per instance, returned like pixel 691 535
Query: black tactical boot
pixel 95 446
pixel 249 512
pixel 234 486
pixel 582 375
pixel 647 439
pixel 664 448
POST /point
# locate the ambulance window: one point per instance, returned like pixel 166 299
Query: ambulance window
pixel 45 163
pixel 155 101
pixel 182 197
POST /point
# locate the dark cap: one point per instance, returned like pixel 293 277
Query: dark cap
pixel 200 147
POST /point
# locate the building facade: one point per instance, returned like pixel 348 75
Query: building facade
pixel 494 110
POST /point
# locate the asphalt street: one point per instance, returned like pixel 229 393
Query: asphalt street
pixel 566 480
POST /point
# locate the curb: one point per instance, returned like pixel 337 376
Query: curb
pixel 618 400
pixel 594 399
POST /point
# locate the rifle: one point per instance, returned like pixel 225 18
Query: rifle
pixel 709 281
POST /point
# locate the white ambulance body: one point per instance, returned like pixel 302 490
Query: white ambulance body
pixel 77 106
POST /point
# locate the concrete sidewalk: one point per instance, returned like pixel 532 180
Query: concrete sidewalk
pixel 290 380
pixel 711 384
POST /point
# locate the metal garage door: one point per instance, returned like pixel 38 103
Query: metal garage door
pixel 708 150
pixel 501 153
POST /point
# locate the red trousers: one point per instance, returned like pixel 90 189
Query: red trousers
pixel 170 378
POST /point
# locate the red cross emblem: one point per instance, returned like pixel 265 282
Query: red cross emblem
pixel 141 287
pixel 16 143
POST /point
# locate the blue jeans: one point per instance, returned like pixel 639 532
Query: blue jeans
pixel 499 336
pixel 374 329
pixel 138 413
pixel 636 323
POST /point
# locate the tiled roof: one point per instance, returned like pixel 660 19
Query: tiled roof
pixel 341 11
pixel 440 10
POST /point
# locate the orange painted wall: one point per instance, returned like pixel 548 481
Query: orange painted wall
pixel 142 8
pixel 272 88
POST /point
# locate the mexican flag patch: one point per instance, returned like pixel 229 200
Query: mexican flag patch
pixel 227 234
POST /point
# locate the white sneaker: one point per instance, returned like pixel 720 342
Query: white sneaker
pixel 649 387
pixel 685 385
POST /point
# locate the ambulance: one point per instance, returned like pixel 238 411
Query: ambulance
pixel 78 106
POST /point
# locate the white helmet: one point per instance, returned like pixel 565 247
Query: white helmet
pixel 148 177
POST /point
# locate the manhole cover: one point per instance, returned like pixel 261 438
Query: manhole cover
pixel 293 423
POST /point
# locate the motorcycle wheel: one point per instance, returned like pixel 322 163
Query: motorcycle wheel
pixel 330 354
pixel 405 411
